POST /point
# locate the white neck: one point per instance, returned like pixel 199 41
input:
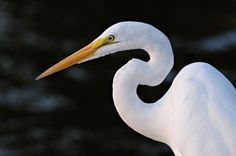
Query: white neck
pixel 135 113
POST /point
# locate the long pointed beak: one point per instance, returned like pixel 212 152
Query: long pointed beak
pixel 74 58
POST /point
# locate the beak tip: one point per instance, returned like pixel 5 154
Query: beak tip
pixel 38 77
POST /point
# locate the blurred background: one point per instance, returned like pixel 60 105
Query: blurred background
pixel 72 112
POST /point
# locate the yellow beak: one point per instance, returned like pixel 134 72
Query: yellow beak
pixel 74 58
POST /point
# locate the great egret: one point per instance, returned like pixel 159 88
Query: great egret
pixel 197 115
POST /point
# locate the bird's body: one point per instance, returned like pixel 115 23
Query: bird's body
pixel 204 115
pixel 197 115
pixel 189 117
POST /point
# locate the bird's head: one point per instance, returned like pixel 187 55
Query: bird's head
pixel 118 37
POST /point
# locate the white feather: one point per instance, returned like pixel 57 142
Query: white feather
pixel 197 115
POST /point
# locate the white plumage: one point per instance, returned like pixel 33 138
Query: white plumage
pixel 197 115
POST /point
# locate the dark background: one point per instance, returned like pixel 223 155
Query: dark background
pixel 72 112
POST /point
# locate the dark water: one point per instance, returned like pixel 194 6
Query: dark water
pixel 72 113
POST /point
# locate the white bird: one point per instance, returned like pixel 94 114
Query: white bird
pixel 197 115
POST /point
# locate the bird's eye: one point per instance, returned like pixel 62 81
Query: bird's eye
pixel 110 38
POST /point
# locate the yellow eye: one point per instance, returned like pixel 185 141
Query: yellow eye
pixel 110 38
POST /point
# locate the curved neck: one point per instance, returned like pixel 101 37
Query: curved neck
pixel 147 119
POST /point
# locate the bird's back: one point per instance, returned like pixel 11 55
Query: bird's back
pixel 204 118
